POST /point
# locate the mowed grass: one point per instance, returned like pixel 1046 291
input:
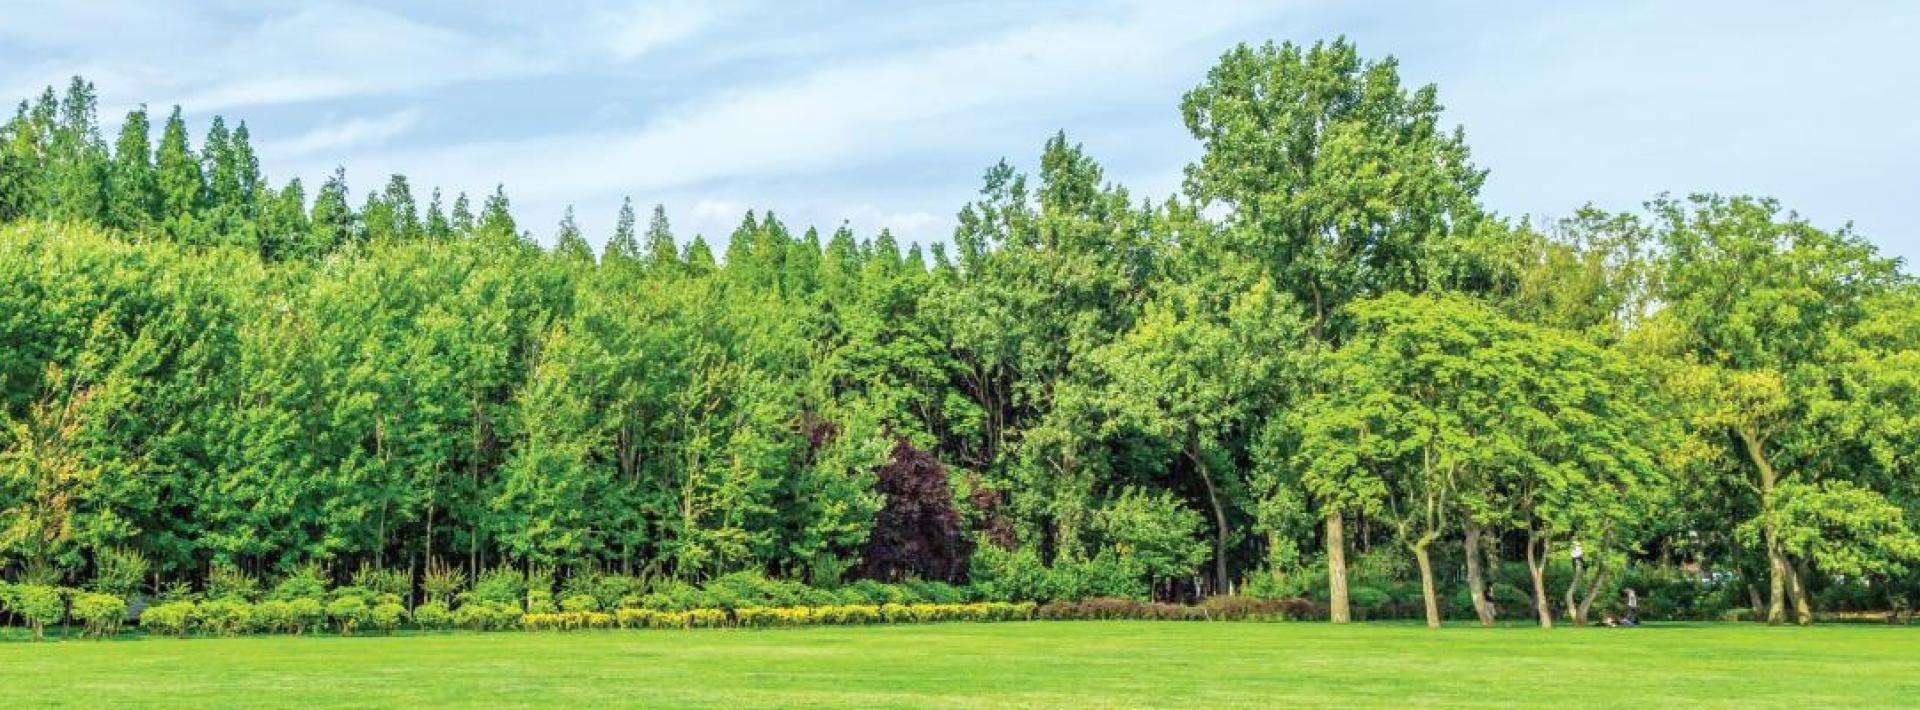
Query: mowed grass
pixel 1036 664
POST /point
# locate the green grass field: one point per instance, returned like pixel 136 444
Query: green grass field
pixel 1039 664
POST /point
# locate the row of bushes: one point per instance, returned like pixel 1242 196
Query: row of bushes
pixel 42 605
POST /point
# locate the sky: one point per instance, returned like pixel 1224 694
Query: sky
pixel 886 114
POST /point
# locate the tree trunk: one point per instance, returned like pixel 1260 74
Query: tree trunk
pixel 1776 558
pixel 1219 513
pixel 1537 549
pixel 1573 586
pixel 1476 578
pixel 1426 580
pixel 1600 576
pixel 1337 610
pixel 1802 607
pixel 1759 605
pixel 1776 580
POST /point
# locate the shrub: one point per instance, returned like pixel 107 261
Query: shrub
pixel 937 592
pixel 634 618
pixel 867 591
pixel 101 614
pixel 40 605
pixel 1016 575
pixel 1295 583
pixel 366 597
pixel 387 616
pixel 610 591
pixel 442 582
pixel 348 612
pixel 308 613
pixel 579 604
pixel 118 571
pixel 226 615
pixel 486 616
pixel 275 615
pixel 500 585
pixel 170 618
pixel 383 581
pixel 432 615
pixel 540 601
pixel 306 581
pixel 1368 601
pixel 1242 608
pixel 225 581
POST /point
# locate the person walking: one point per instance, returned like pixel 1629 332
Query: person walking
pixel 1633 606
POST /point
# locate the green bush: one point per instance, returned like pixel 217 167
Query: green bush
pixel 383 581
pixel 540 601
pixel 170 618
pixel 442 583
pixel 226 615
pixel 40 605
pixel 432 615
pixel 274 615
pixel 304 582
pixel 1369 601
pixel 579 603
pixel 308 614
pixel 101 614
pixel 387 616
pixel 119 571
pixel 500 585
pixel 224 581
pixel 348 613
pixel 486 616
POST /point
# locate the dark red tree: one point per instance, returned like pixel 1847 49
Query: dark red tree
pixel 917 533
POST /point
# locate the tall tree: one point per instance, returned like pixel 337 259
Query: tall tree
pixel 182 187
pixel 1338 178
pixel 134 198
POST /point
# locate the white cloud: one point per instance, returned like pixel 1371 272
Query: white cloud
pixel 851 115
pixel 631 30
pixel 357 132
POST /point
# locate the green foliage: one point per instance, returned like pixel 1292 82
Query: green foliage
pixel 1090 396
pixel 433 616
pixel 40 605
pixel 387 616
pixel 383 581
pixel 101 614
pixel 119 571
pixel 348 613
pixel 226 615
pixel 304 582
pixel 228 582
pixel 170 617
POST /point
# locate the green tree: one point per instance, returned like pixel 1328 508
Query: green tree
pixel 1338 178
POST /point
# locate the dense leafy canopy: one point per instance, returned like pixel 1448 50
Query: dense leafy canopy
pixel 1326 346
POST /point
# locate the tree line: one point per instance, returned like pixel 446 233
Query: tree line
pixel 1324 347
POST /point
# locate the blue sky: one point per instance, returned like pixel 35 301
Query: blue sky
pixel 886 114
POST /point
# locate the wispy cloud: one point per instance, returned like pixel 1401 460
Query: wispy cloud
pixel 339 136
pixel 631 30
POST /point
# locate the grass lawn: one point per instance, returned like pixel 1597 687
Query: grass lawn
pixel 1170 664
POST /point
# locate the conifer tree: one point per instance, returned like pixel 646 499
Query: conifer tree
pixel 182 190
pixel 284 231
pixel 463 222
pixel 134 199
pixel 699 259
pixel 437 227
pixel 570 245
pixel 333 220
pixel 78 163
pixel 623 248
pixel 662 252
